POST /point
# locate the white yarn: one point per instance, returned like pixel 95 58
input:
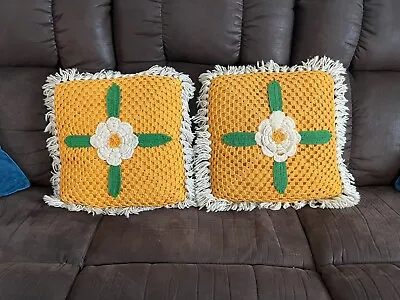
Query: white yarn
pixel 186 136
pixel 204 196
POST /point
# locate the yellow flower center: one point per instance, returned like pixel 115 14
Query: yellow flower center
pixel 114 141
pixel 278 136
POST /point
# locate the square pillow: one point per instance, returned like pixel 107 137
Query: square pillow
pixel 272 137
pixel 120 144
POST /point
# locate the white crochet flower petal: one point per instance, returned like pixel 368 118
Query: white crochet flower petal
pixel 131 140
pixel 101 128
pixel 104 152
pixel 127 152
pixel 128 147
pixel 267 152
pixel 100 138
pixel 114 159
pixel 280 157
pixel 291 150
pixel 113 124
pixel 272 146
pixel 267 139
pixel 97 142
pixel 258 137
pixel 276 119
pixel 125 129
pixel 289 123
pixel 263 125
pixel 287 143
pixel 297 137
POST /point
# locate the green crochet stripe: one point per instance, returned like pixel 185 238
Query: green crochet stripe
pixel 149 140
pixel 280 176
pixel 275 96
pixel 78 141
pixel 114 181
pixel 315 137
pixel 113 100
pixel 240 139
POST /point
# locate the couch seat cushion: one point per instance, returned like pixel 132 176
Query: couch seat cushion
pixel 367 233
pixel 195 236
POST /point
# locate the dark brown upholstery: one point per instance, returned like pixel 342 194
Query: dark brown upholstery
pixel 50 253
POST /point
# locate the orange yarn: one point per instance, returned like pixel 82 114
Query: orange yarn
pixel 239 103
pixel 153 176
pixel 278 136
pixel 115 141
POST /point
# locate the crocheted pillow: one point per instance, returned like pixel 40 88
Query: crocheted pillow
pixel 272 137
pixel 120 144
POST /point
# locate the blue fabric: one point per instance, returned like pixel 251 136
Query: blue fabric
pixel 397 184
pixel 12 179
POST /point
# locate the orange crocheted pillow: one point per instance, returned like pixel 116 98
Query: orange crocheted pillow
pixel 273 137
pixel 120 144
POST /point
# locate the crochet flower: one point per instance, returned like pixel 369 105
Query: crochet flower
pixel 115 140
pixel 277 136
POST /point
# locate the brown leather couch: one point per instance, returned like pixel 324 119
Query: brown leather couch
pixel 50 253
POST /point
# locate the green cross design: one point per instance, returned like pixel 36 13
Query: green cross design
pixel 247 139
pixel 146 140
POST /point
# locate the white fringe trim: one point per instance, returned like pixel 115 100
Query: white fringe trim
pixel 204 196
pixel 53 145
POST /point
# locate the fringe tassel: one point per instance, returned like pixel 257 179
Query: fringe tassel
pixel 186 136
pixel 204 197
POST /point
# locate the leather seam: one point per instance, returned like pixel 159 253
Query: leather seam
pixel 350 71
pixel 293 33
pixel 241 34
pixel 73 283
pixel 132 262
pixel 309 244
pixel 83 264
pixel 162 31
pixel 359 35
pixel 317 268
pixel 53 29
pixel 375 263
pixel 255 281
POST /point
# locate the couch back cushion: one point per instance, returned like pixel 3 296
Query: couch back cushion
pixel 192 36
